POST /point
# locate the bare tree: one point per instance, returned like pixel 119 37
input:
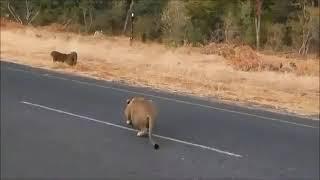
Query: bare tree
pixel 174 20
pixel 86 8
pixel 306 36
pixel 31 14
pixel 227 26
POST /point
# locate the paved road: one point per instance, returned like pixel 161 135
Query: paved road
pixel 55 125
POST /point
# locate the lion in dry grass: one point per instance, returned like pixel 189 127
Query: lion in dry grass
pixel 70 59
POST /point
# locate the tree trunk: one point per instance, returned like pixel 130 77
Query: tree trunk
pixel 305 30
pixel 127 18
pixel 27 11
pixel 91 19
pixel 84 12
pixel 257 21
pixel 257 24
pixel 305 44
pixel 226 31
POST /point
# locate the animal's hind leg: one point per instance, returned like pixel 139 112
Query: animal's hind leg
pixel 143 132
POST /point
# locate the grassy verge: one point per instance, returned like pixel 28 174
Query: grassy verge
pixel 186 69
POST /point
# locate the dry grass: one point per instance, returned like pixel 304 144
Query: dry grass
pixel 184 69
pixel 244 58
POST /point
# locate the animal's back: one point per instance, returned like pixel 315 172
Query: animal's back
pixel 58 56
pixel 142 110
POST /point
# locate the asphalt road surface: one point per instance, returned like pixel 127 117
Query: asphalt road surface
pixel 63 126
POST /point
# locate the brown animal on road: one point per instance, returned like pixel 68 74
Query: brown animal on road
pixel 141 113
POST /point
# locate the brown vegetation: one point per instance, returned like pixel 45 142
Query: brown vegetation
pixel 244 58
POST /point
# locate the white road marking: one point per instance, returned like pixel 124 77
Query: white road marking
pixel 169 99
pixel 129 129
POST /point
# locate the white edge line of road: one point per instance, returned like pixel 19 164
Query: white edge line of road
pixel 165 98
pixel 129 129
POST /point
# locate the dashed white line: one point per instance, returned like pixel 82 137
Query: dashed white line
pixel 129 129
pixel 170 99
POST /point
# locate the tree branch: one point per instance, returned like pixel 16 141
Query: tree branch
pixel 27 12
pixel 35 15
pixel 13 13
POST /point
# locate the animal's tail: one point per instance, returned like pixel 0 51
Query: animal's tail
pixel 155 145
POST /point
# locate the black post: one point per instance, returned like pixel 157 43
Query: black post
pixel 132 20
